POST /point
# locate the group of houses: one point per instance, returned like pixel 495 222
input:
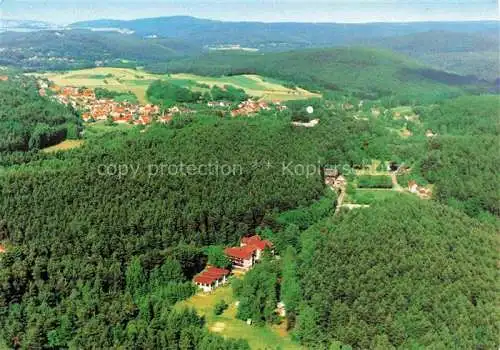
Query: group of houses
pixel 221 104
pixel 334 179
pixel 250 106
pixel 120 112
pixel 422 192
pixel 243 258
pixel 95 109
pixel 247 107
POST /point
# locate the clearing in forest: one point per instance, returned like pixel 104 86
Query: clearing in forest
pixel 138 81
pixel 63 146
pixel 227 325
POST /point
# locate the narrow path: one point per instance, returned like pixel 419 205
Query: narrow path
pixel 340 199
pixel 395 185
pixel 355 206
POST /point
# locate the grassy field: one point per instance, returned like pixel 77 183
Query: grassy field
pixel 366 196
pixel 64 146
pixel 137 81
pixel 259 338
pixel 101 127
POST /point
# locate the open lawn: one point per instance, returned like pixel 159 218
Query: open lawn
pixel 267 337
pixel 137 81
pixel 101 127
pixel 64 146
pixel 367 196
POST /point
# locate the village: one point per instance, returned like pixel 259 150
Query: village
pixel 95 109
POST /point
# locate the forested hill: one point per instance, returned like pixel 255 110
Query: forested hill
pixel 461 53
pixel 465 48
pixel 366 73
pixel 72 49
pixel 276 35
pixel 405 274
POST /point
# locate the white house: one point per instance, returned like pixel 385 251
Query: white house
pixel 211 278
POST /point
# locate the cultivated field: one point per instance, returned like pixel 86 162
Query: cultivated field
pixel 63 146
pixel 137 81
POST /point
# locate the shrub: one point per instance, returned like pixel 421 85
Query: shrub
pixel 220 307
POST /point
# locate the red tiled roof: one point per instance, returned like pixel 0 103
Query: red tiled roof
pixel 216 270
pixel 243 253
pixel 211 275
pixel 167 118
pixel 257 242
pixel 2 249
pixel 204 279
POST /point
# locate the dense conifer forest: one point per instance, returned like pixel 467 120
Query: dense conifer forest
pixel 442 270
pixel 29 121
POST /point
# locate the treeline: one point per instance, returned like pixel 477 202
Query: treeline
pixel 225 93
pixel 29 121
pixel 167 94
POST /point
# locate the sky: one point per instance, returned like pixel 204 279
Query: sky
pixel 343 11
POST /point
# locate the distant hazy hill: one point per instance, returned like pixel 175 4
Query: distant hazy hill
pixel 467 48
pixel 276 35
pixel 23 25
pixel 82 48
pixel 463 53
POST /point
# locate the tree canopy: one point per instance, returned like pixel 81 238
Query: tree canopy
pixel 404 274
pixel 29 121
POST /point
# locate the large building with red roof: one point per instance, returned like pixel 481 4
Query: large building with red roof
pixel 248 253
pixel 241 257
pixel 211 278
